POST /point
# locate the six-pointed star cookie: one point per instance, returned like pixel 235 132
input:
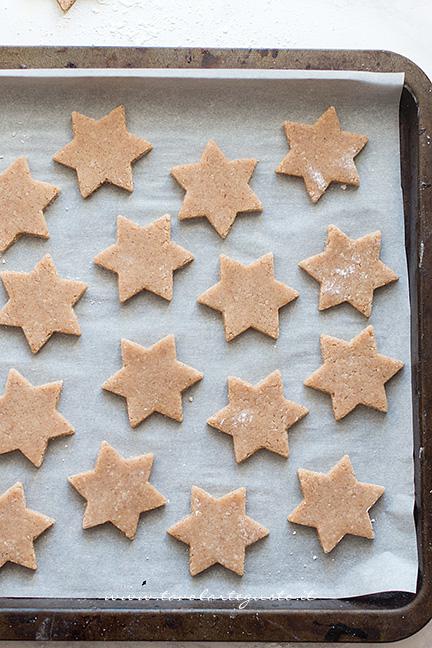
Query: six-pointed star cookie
pixel 152 380
pixel 336 504
pixel 102 151
pixel 117 490
pixel 248 296
pixel 321 153
pixel 349 270
pixel 22 201
pixel 217 188
pixel 353 373
pixel 41 303
pixel 29 417
pixel 258 416
pixel 19 527
pixel 66 4
pixel 218 531
pixel 144 258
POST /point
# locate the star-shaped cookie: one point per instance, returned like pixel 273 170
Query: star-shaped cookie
pixel 102 151
pixel 19 528
pixel 66 4
pixel 217 188
pixel 22 203
pixel 336 504
pixel 248 296
pixel 41 303
pixel 144 258
pixel 29 417
pixel 218 531
pixel 322 153
pixel 349 270
pixel 117 490
pixel 258 416
pixel 353 373
pixel 152 380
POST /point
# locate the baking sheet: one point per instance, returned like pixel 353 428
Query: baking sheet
pixel 243 111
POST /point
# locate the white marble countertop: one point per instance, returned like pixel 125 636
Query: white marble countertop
pixel 397 25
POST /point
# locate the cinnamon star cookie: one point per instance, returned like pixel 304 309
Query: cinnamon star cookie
pixel 66 4
pixel 248 296
pixel 22 203
pixel 144 258
pixel 258 416
pixel 41 303
pixel 218 531
pixel 102 151
pixel 353 373
pixel 152 380
pixel 349 270
pixel 117 490
pixel 336 504
pixel 321 153
pixel 29 417
pixel 217 188
pixel 19 528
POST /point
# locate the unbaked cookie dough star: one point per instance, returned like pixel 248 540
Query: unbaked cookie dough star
pixel 19 528
pixel 349 270
pixel 66 4
pixel 102 151
pixel 218 531
pixel 248 296
pixel 353 373
pixel 336 504
pixel 117 490
pixel 217 188
pixel 144 258
pixel 322 153
pixel 152 380
pixel 41 303
pixel 29 417
pixel 258 416
pixel 22 203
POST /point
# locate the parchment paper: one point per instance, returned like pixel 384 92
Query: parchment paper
pixel 244 114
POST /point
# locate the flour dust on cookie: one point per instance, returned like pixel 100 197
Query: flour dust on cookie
pixel 349 270
pixel 218 531
pixel 321 153
pixel 258 416
pixel 102 151
pixel 336 504
pixel 66 4
pixel 217 188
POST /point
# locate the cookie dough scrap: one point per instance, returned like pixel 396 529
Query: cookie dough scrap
pixel 336 504
pixel 22 204
pixel 349 270
pixel 248 296
pixel 66 4
pixel 144 258
pixel 218 531
pixel 41 303
pixel 353 373
pixel 102 151
pixel 117 490
pixel 258 416
pixel 19 528
pixel 152 380
pixel 217 188
pixel 29 417
pixel 321 153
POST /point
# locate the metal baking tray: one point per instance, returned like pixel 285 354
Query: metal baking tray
pixel 388 616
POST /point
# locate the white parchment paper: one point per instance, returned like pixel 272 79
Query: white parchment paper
pixel 243 112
